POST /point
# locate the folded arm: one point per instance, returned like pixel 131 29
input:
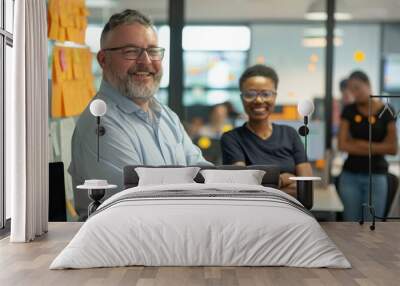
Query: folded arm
pixel 361 147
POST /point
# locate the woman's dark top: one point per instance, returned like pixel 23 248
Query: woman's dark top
pixel 359 129
pixel 283 148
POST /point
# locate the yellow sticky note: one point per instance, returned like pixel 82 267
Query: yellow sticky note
pixel 67 98
pixel 56 101
pixel 64 13
pixel 53 30
pixel 69 71
pixel 62 34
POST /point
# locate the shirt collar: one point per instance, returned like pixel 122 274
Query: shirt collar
pixel 125 104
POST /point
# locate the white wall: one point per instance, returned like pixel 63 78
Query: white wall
pixel 281 46
pixel 364 37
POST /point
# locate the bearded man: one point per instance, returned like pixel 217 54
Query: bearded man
pixel 139 130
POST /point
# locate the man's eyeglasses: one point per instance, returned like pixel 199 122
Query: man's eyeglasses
pixel 251 95
pixel 133 53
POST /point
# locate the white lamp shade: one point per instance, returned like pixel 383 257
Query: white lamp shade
pixel 98 107
pixel 305 107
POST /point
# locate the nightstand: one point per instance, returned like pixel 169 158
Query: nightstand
pixel 96 191
pixel 305 193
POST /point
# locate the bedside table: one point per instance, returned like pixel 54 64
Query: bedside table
pixel 305 192
pixel 96 191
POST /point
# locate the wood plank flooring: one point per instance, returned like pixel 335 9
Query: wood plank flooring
pixel 375 257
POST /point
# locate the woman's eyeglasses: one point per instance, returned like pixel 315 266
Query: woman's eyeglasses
pixel 251 95
pixel 133 53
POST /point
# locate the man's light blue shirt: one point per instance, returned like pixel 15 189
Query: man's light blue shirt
pixel 132 137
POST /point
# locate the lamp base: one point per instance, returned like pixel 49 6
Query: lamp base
pixel 305 193
pixel 96 195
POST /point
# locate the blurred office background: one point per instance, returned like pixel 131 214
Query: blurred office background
pixel 221 38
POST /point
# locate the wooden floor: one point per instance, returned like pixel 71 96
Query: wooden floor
pixel 374 255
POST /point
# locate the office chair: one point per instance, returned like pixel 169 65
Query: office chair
pixel 57 203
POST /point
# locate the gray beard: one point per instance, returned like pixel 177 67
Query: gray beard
pixel 127 86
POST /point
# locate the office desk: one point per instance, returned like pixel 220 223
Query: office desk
pixel 327 199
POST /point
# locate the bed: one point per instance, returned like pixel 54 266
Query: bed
pixel 201 224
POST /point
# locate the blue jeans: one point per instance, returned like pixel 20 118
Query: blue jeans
pixel 353 189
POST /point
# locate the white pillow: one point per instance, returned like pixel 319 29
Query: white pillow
pixel 163 176
pixel 249 177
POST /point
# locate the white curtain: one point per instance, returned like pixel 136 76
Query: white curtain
pixel 27 123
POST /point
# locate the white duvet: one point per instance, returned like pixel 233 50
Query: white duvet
pixel 200 231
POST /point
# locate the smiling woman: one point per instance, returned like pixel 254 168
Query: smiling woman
pixel 259 141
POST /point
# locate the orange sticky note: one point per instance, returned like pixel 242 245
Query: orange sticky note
pixel 67 98
pixel 62 34
pixel 56 101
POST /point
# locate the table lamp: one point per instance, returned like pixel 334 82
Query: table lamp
pixel 98 108
pixel 97 188
pixel 304 185
pixel 305 109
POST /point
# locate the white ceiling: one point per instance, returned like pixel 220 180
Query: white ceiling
pixel 244 10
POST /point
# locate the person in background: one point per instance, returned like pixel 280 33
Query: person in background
pixel 338 105
pixel 259 141
pixel 210 134
pixel 346 96
pixel 235 117
pixel 139 130
pixel 194 126
pixel 354 140
pixel 218 122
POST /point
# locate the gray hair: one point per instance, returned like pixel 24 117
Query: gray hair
pixel 125 17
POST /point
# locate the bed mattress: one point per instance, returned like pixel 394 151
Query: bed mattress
pixel 201 225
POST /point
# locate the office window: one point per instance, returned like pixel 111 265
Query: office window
pixel 163 41
pixel 9 15
pixel 212 67
pixel 214 58
pixel 216 38
pixel 300 69
pixel 360 50
pixel 209 97
pixel 391 73
pixel 7 84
